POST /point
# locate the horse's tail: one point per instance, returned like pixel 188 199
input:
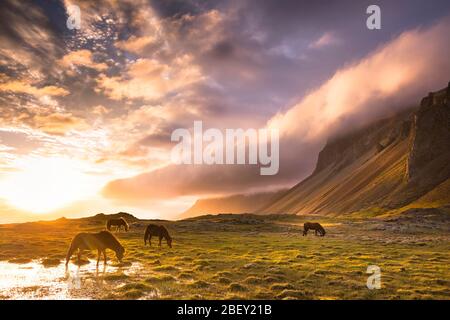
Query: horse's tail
pixel 146 234
pixel 108 225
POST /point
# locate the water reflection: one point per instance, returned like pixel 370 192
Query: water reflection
pixel 35 281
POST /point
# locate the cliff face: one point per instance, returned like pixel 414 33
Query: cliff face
pixel 390 164
pixel 431 141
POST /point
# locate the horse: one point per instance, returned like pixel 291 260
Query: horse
pixel 118 223
pixel 159 231
pixel 318 229
pixel 95 241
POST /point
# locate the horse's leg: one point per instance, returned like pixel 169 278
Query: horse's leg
pixel 79 256
pixel 69 253
pixel 160 238
pixel 98 256
pixel 104 256
pixel 150 240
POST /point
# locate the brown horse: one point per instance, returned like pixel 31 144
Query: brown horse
pixel 95 241
pixel 318 229
pixel 121 222
pixel 159 231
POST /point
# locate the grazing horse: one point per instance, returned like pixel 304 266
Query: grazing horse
pixel 118 223
pixel 159 231
pixel 318 229
pixel 95 241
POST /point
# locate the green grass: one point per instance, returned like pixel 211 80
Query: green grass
pixel 253 257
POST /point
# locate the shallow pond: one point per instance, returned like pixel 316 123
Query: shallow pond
pixel 33 280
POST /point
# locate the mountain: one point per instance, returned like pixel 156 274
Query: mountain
pixel 399 162
pixel 104 217
pixel 231 204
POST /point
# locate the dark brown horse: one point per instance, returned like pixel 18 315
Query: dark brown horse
pixel 158 231
pixel 318 229
pixel 95 241
pixel 121 222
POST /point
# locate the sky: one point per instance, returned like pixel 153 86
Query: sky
pixel 86 115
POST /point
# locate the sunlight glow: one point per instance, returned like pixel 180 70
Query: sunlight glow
pixel 45 184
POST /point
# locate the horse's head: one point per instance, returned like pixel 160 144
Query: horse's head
pixel 169 241
pixel 119 253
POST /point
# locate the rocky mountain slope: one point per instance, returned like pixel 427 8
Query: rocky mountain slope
pixel 231 204
pixel 400 162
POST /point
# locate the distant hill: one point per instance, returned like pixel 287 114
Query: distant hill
pixel 103 217
pixel 400 162
pixel 250 203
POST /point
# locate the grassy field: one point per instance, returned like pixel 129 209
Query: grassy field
pixel 250 257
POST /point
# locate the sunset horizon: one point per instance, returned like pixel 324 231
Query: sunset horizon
pixel 87 114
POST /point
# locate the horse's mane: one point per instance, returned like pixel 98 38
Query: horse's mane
pixel 125 222
pixel 111 239
pixel 165 232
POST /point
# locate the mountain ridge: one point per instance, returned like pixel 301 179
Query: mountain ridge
pixel 387 165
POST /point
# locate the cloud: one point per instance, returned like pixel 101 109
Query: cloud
pixel 135 44
pixel 100 110
pixel 151 79
pixel 327 39
pixel 393 77
pixel 28 44
pixel 17 86
pixel 57 123
pixel 81 58
pixel 175 181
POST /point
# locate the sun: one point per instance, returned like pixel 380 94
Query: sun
pixel 43 185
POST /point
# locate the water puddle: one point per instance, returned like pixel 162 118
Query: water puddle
pixel 35 281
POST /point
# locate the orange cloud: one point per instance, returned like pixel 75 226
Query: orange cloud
pixel 151 79
pixel 57 123
pixel 81 58
pixel 136 44
pixel 24 87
